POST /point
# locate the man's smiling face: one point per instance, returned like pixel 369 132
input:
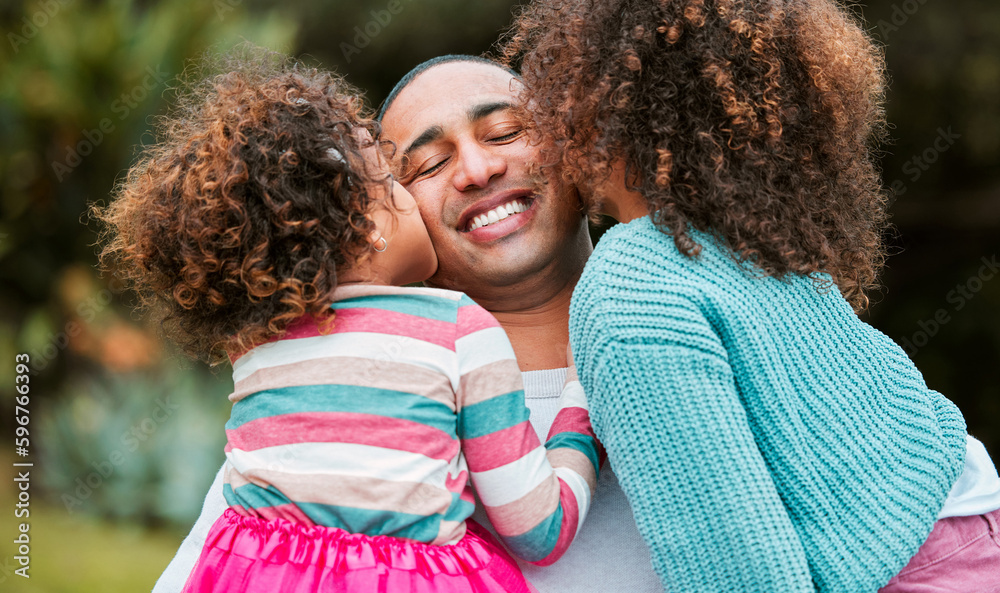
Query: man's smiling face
pixel 468 164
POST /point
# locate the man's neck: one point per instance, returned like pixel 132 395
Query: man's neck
pixel 540 333
pixel 534 309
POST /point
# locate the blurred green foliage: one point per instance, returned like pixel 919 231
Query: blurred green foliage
pixel 139 446
pixel 79 83
pixel 82 554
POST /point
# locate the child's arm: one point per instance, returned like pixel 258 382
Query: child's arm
pixel 536 497
pixel 667 410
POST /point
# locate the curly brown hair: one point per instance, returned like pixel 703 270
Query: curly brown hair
pixel 756 121
pixel 235 222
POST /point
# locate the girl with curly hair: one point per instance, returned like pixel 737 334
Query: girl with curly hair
pixel 766 437
pixel 266 228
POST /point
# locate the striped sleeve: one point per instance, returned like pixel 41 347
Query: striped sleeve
pixel 536 497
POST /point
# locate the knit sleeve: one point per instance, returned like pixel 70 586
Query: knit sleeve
pixel 536 497
pixel 664 403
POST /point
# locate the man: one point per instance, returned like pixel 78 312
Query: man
pixel 466 159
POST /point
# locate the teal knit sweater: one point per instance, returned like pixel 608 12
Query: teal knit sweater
pixel 766 438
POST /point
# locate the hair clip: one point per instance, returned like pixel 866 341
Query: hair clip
pixel 335 154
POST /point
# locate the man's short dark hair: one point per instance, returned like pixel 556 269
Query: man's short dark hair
pixel 420 68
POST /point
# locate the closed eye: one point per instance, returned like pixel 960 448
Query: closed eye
pixel 438 165
pixel 506 137
pixel 431 169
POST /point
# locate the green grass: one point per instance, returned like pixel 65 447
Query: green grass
pixel 75 553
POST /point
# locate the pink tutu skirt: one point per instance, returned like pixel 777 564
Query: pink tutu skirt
pixel 277 556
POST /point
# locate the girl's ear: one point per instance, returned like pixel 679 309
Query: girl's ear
pixel 379 218
pixel 384 217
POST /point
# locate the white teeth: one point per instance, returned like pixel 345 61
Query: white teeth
pixel 497 214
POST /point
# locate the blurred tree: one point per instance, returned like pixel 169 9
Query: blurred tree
pixel 78 84
pixel 376 42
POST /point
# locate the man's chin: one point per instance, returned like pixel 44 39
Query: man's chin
pixel 484 278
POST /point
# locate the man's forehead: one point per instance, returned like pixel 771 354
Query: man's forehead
pixel 443 93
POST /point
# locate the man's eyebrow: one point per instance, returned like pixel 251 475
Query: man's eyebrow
pixel 478 112
pixel 430 135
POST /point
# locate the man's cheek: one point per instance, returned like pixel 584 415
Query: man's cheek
pixel 429 203
pixel 443 240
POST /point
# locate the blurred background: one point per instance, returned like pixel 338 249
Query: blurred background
pixel 125 436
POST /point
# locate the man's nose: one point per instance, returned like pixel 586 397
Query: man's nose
pixel 477 165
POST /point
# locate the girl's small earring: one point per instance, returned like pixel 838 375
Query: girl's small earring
pixel 385 245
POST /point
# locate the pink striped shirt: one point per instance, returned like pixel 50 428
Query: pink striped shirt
pixel 381 424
